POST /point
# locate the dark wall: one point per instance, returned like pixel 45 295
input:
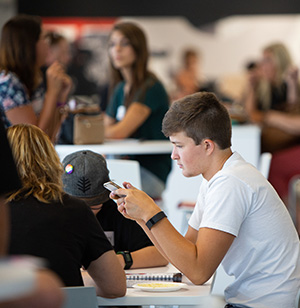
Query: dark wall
pixel 199 12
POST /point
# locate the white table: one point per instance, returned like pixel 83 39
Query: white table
pixel 118 147
pixel 190 295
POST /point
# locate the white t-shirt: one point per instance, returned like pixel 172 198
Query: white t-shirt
pixel 264 258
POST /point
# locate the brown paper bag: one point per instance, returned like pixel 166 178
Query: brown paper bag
pixel 88 129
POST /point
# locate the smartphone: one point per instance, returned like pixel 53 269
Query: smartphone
pixel 112 186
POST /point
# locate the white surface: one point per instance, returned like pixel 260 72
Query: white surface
pixel 220 281
pixel 79 297
pixel 121 170
pixel 16 280
pixel 190 295
pixel 118 147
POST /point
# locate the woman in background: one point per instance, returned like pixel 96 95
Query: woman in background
pixel 59 49
pixel 138 102
pixel 23 99
pixel 187 79
pixel 276 87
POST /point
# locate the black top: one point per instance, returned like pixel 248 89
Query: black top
pixel 9 179
pixel 278 98
pixel 66 235
pixel 126 233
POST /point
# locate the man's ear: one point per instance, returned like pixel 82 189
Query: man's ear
pixel 209 146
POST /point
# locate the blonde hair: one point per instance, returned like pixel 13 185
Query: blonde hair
pixel 38 164
pixel 282 60
pixel 281 57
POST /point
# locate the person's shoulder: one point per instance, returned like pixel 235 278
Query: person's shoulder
pixel 8 78
pixel 119 86
pixel 11 82
pixel 154 83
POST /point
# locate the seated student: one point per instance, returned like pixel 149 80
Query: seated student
pixel 85 174
pixel 239 221
pixel 46 288
pixel 48 223
pixel 23 97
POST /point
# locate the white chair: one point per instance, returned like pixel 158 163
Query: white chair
pixel 220 282
pixel 122 170
pixel 264 164
pixel 79 297
pixel 297 300
pixel 294 198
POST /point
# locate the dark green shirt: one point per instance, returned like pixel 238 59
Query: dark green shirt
pixel 156 98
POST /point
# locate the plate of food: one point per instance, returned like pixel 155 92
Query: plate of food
pixel 159 286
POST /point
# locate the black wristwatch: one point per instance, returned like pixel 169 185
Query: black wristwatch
pixel 156 218
pixel 127 258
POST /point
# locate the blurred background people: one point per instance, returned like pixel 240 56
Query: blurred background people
pixel 126 236
pixel 23 99
pixel 59 49
pixel 278 86
pixel 275 88
pixel 48 223
pixel 188 80
pixel 138 102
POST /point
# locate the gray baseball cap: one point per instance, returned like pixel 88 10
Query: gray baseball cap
pixel 85 172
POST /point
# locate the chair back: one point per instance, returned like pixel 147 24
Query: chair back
pixel 121 170
pixel 297 300
pixel 220 282
pixel 79 297
pixel 264 164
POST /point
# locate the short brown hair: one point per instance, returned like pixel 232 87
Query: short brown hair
pixel 200 115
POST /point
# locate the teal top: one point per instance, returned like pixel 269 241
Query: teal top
pixel 153 95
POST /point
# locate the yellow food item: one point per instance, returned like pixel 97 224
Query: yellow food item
pixel 156 285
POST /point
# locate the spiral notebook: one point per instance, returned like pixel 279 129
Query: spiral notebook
pixel 133 278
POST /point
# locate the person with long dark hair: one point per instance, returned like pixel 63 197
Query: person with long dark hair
pixel 138 102
pixel 23 99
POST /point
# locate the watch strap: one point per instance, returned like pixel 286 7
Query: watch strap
pixel 155 219
pixel 127 258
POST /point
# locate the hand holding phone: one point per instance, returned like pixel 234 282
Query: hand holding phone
pixel 112 186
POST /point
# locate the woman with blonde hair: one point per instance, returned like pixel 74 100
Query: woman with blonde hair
pixel 138 102
pixel 278 87
pixel 50 224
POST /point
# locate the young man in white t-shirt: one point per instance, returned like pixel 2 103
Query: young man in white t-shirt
pixel 238 221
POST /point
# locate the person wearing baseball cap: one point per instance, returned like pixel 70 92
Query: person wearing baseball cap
pixel 85 172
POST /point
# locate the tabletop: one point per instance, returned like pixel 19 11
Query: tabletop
pixel 189 295
pixel 118 147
